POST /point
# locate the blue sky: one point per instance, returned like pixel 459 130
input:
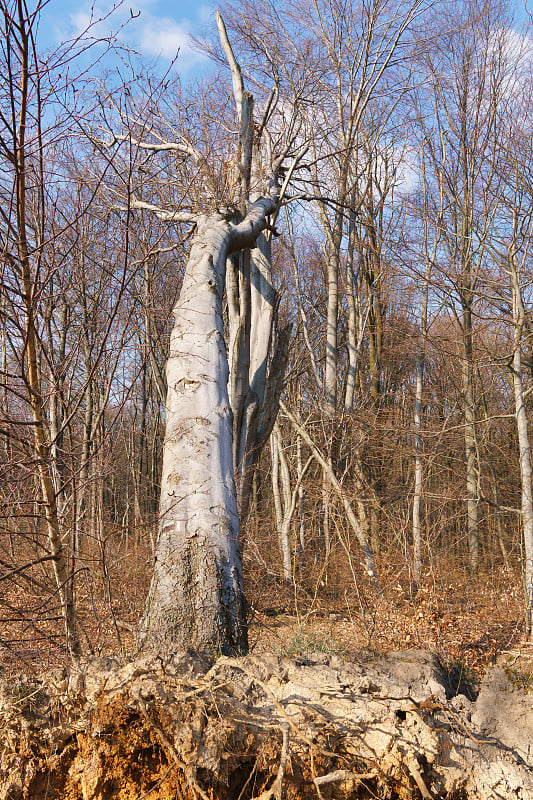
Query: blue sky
pixel 157 32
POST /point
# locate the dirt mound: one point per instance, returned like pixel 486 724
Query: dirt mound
pixel 264 727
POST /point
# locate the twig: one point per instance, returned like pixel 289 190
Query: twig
pixel 275 789
pixel 282 764
pixel 343 775
pixel 415 772
pixel 156 785
pixel 170 747
pixel 164 741
pixel 198 789
pixel 313 773
pixel 249 778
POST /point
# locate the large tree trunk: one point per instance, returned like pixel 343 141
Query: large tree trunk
pixel 196 599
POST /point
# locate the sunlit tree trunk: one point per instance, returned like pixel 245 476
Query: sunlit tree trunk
pixel 472 501
pixel 429 258
pixel 351 517
pixel 282 501
pixel 196 599
pixel 263 356
pixel 525 460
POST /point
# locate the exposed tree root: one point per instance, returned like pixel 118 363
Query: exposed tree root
pixel 261 728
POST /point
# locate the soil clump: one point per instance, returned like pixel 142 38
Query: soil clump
pixel 266 727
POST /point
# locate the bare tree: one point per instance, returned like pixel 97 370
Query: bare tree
pixel 23 232
pixel 458 110
pixel 217 413
pixel 341 60
pixel 510 283
pixel 65 269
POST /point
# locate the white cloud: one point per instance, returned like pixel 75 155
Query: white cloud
pixel 141 27
pixel 205 13
pixel 162 36
pixel 92 20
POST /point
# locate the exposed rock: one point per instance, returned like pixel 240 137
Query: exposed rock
pixel 264 727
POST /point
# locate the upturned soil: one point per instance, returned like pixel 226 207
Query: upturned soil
pixel 266 727
pixel 425 692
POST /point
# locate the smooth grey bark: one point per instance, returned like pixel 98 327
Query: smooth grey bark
pixel 417 497
pixel 419 468
pixel 301 497
pixel 257 352
pixel 282 501
pixel 286 501
pixel 470 441
pixel 196 599
pixel 56 347
pixel 356 324
pixel 263 354
pixel 429 258
pixel 330 375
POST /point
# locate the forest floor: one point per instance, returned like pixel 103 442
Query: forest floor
pixel 469 622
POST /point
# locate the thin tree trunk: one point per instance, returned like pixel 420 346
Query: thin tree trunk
pixel 352 281
pixel 526 470
pixel 330 378
pixel 333 248
pixel 30 363
pixel 281 501
pixel 326 503
pixel 417 499
pixel 420 365
pixel 470 446
pixel 352 519
pixel 301 499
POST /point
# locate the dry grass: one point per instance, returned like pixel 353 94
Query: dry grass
pixel 468 621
